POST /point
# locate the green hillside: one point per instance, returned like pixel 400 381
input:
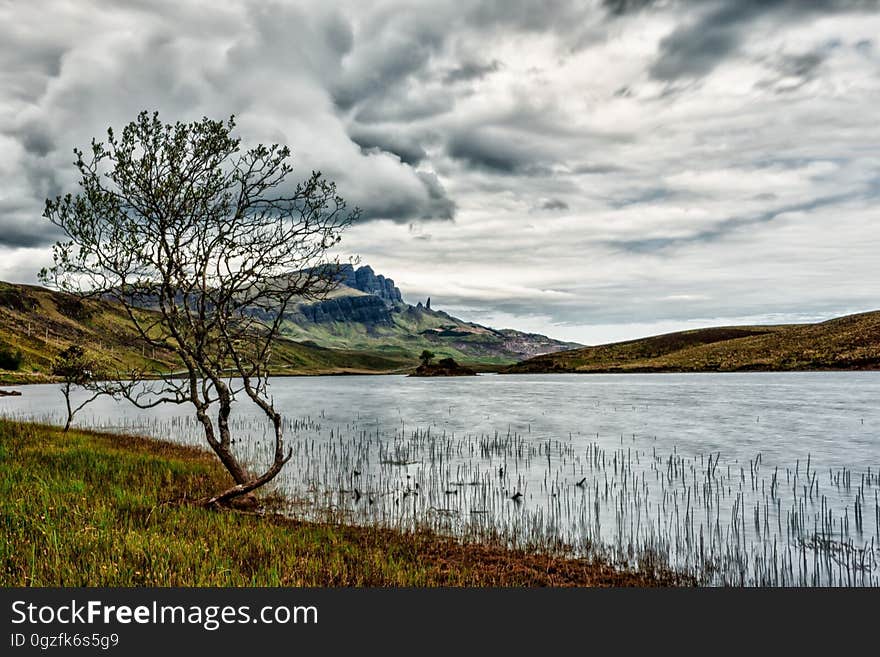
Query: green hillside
pixel 846 343
pixel 40 323
pixel 367 313
pixel 412 329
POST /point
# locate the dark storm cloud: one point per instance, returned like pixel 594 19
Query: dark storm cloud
pixel 44 178
pixel 381 79
pixel 802 66
pixel 27 60
pixel 403 106
pixel 639 197
pixel 695 48
pixel 440 205
pixel 25 234
pixel 275 66
pixel 395 50
pixel 598 169
pixel 22 226
pixel 404 146
pixel 486 153
pixel 865 46
pixel 496 152
pixel 402 208
pixel 36 138
pixel 398 50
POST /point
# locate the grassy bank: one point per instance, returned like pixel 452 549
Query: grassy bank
pixel 93 509
pixel 846 343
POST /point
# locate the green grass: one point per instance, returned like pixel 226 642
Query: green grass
pixel 93 509
pixel 846 343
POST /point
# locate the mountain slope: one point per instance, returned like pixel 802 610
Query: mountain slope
pixel 41 323
pixel 364 326
pixel 367 312
pixel 845 343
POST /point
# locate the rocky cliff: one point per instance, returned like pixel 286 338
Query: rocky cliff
pixel 366 280
pixel 367 312
pixel 368 309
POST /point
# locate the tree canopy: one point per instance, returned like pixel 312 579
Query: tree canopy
pixel 206 246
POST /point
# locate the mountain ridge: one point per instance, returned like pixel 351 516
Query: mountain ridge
pixel 363 329
pixel 367 312
pixel 42 322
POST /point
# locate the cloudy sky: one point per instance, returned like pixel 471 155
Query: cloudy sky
pixel 591 170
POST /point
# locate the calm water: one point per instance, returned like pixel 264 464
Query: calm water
pixel 748 478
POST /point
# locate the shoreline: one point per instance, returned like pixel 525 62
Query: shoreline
pixel 9 383
pixel 121 513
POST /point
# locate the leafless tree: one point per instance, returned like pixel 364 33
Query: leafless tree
pixel 178 219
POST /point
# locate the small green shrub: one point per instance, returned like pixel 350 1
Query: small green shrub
pixel 10 359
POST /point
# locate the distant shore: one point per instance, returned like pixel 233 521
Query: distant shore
pixel 8 382
pixel 13 378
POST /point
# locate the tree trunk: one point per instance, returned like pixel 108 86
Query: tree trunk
pixel 69 410
pixel 248 484
pixel 246 487
pixel 223 452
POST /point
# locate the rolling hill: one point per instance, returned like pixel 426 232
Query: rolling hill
pixel 846 343
pixel 40 323
pixel 372 330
